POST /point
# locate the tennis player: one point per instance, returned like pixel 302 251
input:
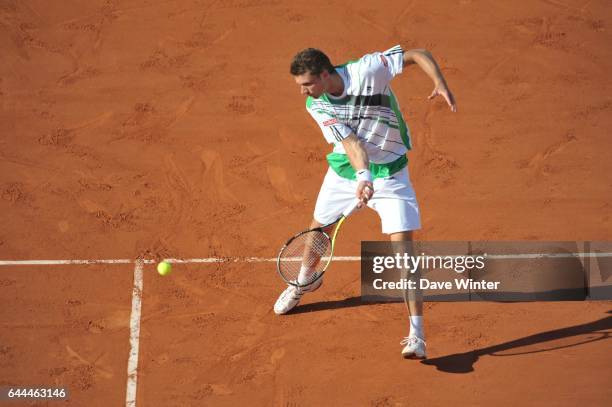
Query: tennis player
pixel 358 113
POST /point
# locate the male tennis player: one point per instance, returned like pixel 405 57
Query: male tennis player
pixel 358 113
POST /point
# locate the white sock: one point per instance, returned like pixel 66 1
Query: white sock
pixel 305 273
pixel 416 326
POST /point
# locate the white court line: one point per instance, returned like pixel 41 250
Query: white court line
pixel 132 369
pixel 270 259
pixel 59 262
pixel 149 261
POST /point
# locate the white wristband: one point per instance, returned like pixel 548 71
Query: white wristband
pixel 364 175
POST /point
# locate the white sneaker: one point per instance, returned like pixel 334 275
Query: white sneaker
pixel 292 296
pixel 414 349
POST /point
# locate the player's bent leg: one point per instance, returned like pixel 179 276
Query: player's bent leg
pixel 334 196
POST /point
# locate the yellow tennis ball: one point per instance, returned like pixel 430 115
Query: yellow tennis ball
pixel 164 268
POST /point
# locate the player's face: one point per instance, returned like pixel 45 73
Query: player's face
pixel 312 85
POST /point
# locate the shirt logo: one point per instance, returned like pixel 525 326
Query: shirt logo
pixel 384 60
pixel 330 122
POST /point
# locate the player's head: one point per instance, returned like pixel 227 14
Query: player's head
pixel 312 69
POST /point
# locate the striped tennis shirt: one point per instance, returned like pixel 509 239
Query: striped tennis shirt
pixel 367 108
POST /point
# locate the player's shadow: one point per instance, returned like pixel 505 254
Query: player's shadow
pixel 464 362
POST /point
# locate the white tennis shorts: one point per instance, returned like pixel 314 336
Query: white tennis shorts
pixel 394 200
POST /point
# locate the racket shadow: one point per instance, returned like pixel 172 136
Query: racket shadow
pixel 464 362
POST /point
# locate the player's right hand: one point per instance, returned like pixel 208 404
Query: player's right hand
pixel 365 190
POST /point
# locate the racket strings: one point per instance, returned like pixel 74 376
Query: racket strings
pixel 305 257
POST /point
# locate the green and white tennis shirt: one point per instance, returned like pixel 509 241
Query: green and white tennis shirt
pixel 368 108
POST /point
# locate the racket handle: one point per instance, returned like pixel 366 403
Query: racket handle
pixel 351 208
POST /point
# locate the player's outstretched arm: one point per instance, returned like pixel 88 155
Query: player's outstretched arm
pixel 427 63
pixel 359 160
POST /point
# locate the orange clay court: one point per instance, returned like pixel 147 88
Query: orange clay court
pixel 149 130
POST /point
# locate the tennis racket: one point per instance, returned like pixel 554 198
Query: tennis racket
pixel 306 256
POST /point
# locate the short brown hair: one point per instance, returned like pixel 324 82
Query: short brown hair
pixel 311 60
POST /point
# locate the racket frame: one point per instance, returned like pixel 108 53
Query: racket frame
pixel 332 241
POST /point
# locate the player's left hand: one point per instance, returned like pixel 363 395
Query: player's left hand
pixel 365 190
pixel 442 90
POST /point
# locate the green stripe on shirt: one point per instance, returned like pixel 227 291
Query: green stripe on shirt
pixel 342 166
